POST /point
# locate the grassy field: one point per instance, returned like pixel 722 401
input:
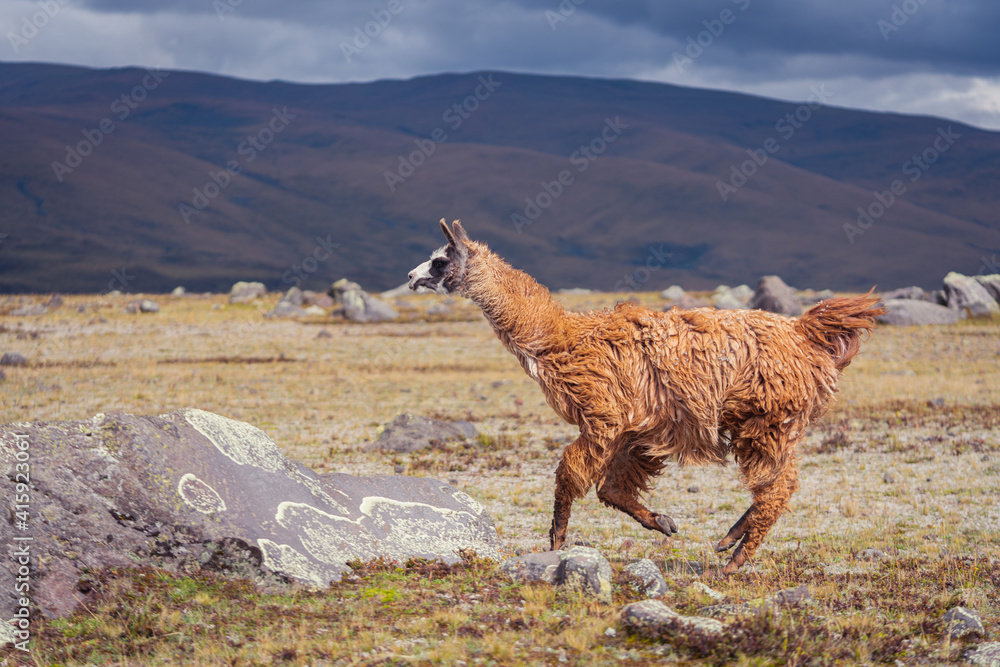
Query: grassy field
pixel 907 463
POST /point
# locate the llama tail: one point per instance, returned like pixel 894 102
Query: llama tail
pixel 837 325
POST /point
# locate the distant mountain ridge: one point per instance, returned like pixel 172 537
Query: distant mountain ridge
pixel 142 180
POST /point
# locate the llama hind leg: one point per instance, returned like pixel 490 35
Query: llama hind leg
pixel 735 533
pixel 625 478
pixel 574 477
pixel 769 502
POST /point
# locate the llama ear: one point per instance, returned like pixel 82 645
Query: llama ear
pixel 447 232
pixel 459 231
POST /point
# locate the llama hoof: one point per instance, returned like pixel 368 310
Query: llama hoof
pixel 730 568
pixel 725 544
pixel 666 524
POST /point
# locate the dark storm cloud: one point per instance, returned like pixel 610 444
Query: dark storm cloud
pixel 917 56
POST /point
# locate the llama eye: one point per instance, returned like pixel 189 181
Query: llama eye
pixel 439 263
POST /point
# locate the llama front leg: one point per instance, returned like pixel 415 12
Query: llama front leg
pixel 625 478
pixel 574 477
pixel 735 533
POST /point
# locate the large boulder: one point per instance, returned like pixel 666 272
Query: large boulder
pixel 244 292
pixel 992 285
pixel 358 305
pixel 408 433
pixel 914 292
pixel 965 293
pixel 192 489
pixel 775 296
pixel 909 312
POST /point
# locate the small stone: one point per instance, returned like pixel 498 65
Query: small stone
pixel 962 622
pixel 178 291
pixel 399 468
pixel 985 655
pixel 871 554
pixel 285 309
pixel 792 596
pixel 33 310
pixel 654 619
pixel 693 488
pixel 244 292
pixel 13 359
pixel 323 333
pixel 586 569
pixel 148 306
pixel 610 632
pixel 888 478
pixel 710 592
pixel 652 583
pixel 533 567
pixel 315 311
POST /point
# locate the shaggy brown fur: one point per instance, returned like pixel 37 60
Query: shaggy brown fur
pixel 646 387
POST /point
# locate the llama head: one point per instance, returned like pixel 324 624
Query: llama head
pixel 444 272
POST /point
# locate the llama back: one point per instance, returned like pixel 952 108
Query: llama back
pixel 838 325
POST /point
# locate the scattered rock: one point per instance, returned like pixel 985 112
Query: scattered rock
pixel 148 306
pixel 533 567
pixel 710 592
pixel 728 302
pixel 653 584
pixel 962 622
pixel 13 359
pixel 673 294
pixel 888 478
pixel 965 293
pixel 294 296
pixel 792 596
pixel 438 310
pixel 576 291
pixel 323 333
pixel 985 655
pixel 55 301
pixel 871 554
pixel 908 312
pixel 915 293
pixel 244 292
pixel 396 292
pixel 693 488
pixel 315 311
pixel 178 291
pixel 310 298
pixel 582 568
pixel 357 305
pixel 652 618
pixel 775 296
pixel 286 309
pixel 33 310
pixel 408 433
pixel 191 489
pixel 992 285
pixel 749 608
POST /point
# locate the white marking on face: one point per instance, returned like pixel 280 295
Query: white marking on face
pixel 422 281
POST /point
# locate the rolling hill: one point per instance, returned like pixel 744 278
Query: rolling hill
pixel 143 180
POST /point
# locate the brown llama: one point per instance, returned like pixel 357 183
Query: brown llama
pixel 645 387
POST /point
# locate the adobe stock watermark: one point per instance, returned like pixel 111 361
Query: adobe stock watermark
pixel 248 149
pixel 581 158
pixel 453 116
pixel 119 281
pixel 565 9
pixel 363 35
pixel 30 26
pixel 786 126
pixel 714 28
pixel 310 263
pixel 898 17
pixel 223 7
pixel 655 260
pixel 122 107
pixel 914 169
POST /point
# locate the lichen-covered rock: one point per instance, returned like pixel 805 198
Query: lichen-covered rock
pixel 653 584
pixel 192 489
pixel 585 569
pixel 962 622
pixel 652 618
pixel 985 655
pixel 792 596
pixel 408 433
pixel 357 305
pixel 286 309
pixel 992 285
pixel 13 359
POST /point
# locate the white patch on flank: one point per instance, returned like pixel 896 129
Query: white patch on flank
pixel 198 495
pixel 532 367
pixel 244 444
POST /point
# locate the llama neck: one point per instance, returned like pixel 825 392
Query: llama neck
pixel 525 317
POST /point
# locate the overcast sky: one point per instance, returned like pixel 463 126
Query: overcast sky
pixel 937 57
